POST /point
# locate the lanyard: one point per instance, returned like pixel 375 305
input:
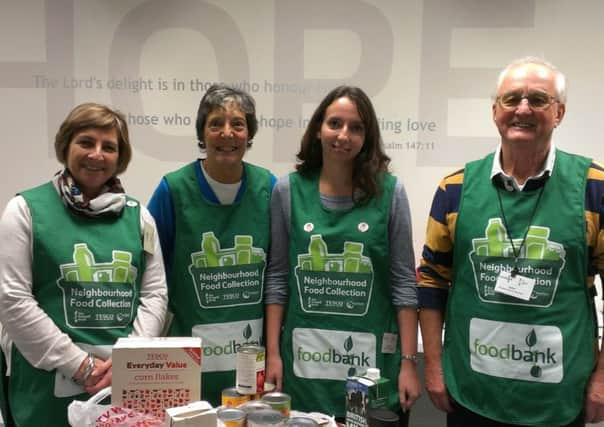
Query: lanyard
pixel 507 229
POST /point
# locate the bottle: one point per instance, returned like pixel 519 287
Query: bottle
pixel 536 242
pixel 352 257
pixel 121 266
pixel 497 236
pixel 84 261
pixel 211 249
pixel 318 252
pixel 243 249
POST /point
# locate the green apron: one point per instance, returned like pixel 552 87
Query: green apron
pixel 87 283
pixel 340 305
pixel 217 278
pixel 512 359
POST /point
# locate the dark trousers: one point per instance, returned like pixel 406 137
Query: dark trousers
pixel 462 417
pixel 403 419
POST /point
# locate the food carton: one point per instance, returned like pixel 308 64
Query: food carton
pixel 364 393
pixel 153 374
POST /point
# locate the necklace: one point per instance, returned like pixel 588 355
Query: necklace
pixel 507 229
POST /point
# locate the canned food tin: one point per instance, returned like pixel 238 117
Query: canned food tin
pixel 232 399
pixel 279 401
pixel 231 417
pixel 254 405
pixel 250 369
pixel 301 422
pixel 266 418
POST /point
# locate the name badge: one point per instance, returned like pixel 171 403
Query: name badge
pixel 148 239
pixel 518 286
pixel 389 342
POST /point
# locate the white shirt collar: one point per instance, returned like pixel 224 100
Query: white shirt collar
pixel 510 182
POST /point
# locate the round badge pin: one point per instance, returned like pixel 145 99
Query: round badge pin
pixel 308 227
pixel 132 203
pixel 363 227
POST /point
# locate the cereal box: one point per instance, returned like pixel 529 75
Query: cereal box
pixel 152 374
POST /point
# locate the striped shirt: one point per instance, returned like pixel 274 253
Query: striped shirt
pixel 436 265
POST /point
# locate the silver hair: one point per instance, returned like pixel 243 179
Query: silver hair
pixel 561 93
pixel 221 96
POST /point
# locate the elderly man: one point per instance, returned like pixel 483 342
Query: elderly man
pixel 513 243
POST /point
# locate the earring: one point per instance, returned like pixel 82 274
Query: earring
pixel 201 145
pixel 249 143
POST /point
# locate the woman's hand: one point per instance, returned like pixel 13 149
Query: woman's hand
pixel 409 387
pixel 274 371
pixel 100 376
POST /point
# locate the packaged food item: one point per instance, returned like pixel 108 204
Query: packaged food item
pixel 230 417
pixel 364 393
pixel 232 398
pixel 153 374
pixel 279 401
pixel 196 414
pixel 250 369
pixel 266 418
pixel 301 422
pixel 254 405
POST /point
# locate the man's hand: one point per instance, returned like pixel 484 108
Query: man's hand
pixel 594 400
pixel 435 386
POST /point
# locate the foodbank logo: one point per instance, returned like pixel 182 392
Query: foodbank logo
pixel 536 357
pixel 233 345
pixel 333 356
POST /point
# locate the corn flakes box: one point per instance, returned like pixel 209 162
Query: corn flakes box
pixel 153 374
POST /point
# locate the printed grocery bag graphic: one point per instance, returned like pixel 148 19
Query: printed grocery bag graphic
pixel 335 283
pixel 98 294
pixel 228 277
pixel 539 258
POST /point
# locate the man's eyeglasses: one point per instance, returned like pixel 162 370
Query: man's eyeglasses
pixel 538 101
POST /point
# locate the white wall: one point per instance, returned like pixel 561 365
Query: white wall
pixel 427 63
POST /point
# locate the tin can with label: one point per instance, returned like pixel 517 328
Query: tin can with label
pixel 301 422
pixel 279 401
pixel 250 369
pixel 231 398
pixel 254 405
pixel 266 418
pixel 230 417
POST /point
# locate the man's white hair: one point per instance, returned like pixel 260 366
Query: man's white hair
pixel 559 76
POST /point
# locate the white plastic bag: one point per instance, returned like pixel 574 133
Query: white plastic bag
pixel 84 414
pixel 91 414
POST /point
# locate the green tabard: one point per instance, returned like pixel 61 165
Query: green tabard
pixel 516 360
pixel 86 277
pixel 217 277
pixel 340 303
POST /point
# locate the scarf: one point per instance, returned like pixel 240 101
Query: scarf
pixel 108 203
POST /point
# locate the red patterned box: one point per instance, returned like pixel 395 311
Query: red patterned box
pixel 152 374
